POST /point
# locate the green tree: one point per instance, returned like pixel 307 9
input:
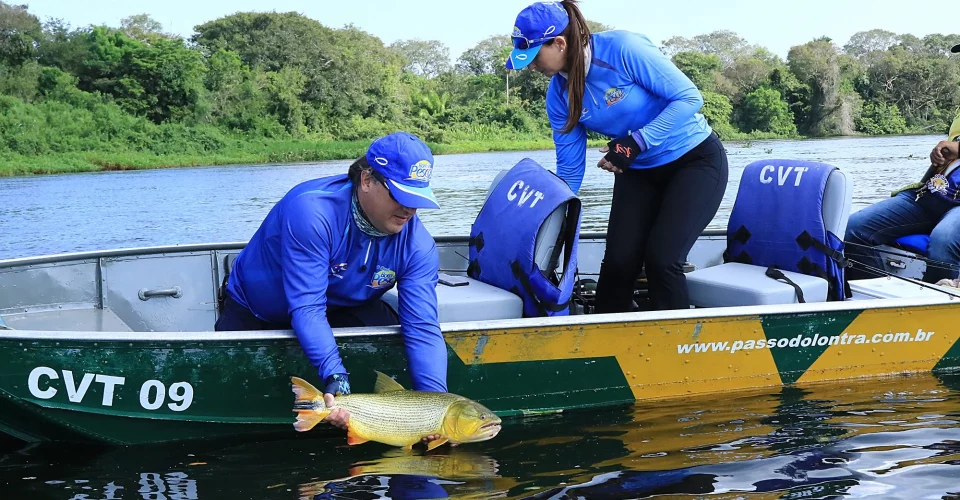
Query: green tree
pixel 484 58
pixel 864 43
pixel 880 118
pixel 764 110
pixel 426 58
pixel 702 69
pixel 161 80
pixel 19 33
pixel 717 110
pixel 141 27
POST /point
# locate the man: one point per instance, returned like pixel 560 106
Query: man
pixel 328 251
pixel 931 206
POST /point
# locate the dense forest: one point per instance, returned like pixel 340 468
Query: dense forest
pixel 254 86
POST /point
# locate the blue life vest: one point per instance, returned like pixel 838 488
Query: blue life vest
pixel 503 239
pixel 777 221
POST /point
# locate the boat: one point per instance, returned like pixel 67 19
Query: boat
pixel 118 347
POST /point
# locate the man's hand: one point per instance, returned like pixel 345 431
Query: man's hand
pixel 944 153
pixel 338 383
pixel 338 417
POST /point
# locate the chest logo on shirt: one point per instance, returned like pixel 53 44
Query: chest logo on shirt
pixel 337 270
pixel 613 96
pixel 383 278
pixel 938 184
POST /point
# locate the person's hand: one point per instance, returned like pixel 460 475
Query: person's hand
pixel 606 165
pixel 338 383
pixel 338 417
pixel 622 151
pixel 944 153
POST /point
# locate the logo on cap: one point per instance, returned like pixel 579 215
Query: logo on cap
pixel 421 171
pixel 517 32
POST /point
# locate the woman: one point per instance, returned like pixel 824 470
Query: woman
pixel 931 206
pixel 671 169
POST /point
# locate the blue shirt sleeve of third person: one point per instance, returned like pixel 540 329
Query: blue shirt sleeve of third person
pixel 654 71
pixel 571 147
pixel 305 241
pixel 417 303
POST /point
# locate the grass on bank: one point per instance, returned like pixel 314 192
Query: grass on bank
pixel 279 152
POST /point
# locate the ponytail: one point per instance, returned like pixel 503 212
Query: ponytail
pixel 577 35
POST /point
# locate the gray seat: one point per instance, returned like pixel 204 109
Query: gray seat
pixel 735 284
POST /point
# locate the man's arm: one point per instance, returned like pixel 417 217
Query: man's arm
pixel 425 347
pixel 305 260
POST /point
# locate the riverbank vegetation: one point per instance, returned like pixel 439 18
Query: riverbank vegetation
pixel 281 87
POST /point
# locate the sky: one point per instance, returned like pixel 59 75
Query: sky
pixel 460 25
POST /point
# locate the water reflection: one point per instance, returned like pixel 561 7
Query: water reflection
pixel 895 438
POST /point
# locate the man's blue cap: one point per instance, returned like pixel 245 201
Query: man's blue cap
pixel 407 164
pixel 536 24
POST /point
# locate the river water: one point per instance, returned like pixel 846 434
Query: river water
pixel 67 213
pixel 891 438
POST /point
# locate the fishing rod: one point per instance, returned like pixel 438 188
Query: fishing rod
pixel 939 264
pixel 921 284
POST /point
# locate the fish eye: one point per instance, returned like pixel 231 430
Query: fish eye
pixel 483 417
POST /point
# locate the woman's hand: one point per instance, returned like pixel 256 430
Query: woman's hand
pixel 606 165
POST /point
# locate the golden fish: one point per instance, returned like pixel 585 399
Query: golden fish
pixel 398 417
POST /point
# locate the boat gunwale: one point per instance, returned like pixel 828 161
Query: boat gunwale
pixel 494 327
pixel 207 247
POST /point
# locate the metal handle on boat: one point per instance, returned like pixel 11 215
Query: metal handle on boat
pixel 897 264
pixel 146 294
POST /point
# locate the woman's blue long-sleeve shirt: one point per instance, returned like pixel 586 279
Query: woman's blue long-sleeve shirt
pixel 631 88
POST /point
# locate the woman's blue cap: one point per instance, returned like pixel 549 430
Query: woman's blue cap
pixel 535 25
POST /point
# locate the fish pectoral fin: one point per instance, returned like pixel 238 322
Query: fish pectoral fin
pixel 354 439
pixel 386 384
pixel 306 419
pixel 436 443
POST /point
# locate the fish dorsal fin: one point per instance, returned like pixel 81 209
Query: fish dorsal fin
pixel 386 384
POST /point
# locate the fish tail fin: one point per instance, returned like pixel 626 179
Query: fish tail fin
pixel 306 404
pixel 304 391
pixel 306 419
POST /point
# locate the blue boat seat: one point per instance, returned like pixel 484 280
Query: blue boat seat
pixel 737 284
pixel 918 243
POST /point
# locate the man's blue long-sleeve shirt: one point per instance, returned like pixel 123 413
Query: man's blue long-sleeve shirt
pixel 631 87
pixel 308 255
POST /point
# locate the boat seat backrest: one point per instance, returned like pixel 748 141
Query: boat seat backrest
pixel 837 203
pixel 549 244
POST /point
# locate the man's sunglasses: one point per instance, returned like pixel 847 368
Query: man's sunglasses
pixel 525 43
pixel 377 176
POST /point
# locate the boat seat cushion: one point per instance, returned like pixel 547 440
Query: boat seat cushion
pixel 919 243
pixel 473 301
pixel 736 284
